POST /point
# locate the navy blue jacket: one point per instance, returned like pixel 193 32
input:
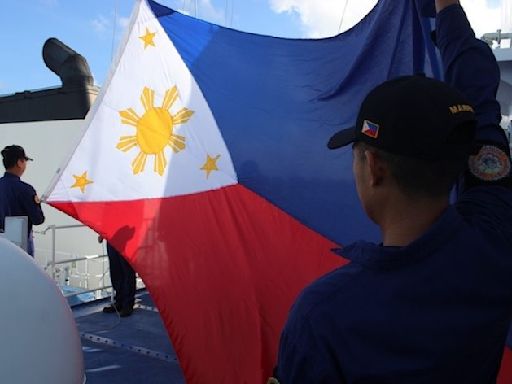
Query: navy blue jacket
pixel 18 198
pixel 437 310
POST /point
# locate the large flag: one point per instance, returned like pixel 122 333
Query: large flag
pixel 505 376
pixel 204 162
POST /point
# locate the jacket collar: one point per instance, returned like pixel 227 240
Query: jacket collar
pixel 11 175
pixel 377 256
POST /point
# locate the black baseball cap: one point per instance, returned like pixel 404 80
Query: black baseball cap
pixel 413 116
pixel 15 152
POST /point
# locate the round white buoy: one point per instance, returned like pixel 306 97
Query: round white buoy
pixel 39 341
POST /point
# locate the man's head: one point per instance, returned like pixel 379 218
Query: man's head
pixel 412 138
pixel 15 159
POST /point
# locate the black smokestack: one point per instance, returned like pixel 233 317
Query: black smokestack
pixel 71 67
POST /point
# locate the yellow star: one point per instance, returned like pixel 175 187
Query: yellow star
pixel 81 182
pixel 148 38
pixel 210 164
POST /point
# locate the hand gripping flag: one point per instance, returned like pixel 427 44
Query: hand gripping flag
pixel 204 163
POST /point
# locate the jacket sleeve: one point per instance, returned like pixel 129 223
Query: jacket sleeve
pixel 470 66
pixel 32 205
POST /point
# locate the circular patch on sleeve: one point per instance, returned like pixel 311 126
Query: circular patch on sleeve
pixel 490 164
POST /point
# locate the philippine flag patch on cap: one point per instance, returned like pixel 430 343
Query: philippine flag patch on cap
pixel 370 129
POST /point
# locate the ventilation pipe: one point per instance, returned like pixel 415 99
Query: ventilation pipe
pixel 71 67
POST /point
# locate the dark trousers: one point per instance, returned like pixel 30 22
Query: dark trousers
pixel 122 276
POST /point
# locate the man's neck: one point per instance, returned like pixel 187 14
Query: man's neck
pixel 408 219
pixel 13 172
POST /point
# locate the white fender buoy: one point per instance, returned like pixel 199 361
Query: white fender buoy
pixel 39 341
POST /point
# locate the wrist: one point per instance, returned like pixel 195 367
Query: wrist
pixel 442 4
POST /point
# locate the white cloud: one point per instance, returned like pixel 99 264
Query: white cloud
pixel 322 18
pixel 482 16
pixel 101 24
pixel 506 15
pixel 205 11
pixel 210 13
pixel 123 22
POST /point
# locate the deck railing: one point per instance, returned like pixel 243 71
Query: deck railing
pixel 65 270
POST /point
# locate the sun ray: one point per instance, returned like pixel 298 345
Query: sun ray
pixel 170 97
pixel 126 143
pixel 160 163
pixel 139 163
pixel 177 143
pixel 155 130
pixel 182 116
pixel 147 98
pixel 129 116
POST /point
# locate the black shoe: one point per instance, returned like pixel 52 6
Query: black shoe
pixel 112 308
pixel 126 311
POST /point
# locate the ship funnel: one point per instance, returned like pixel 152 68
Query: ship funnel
pixel 71 67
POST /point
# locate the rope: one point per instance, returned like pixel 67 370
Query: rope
pixel 114 31
pixel 232 12
pixel 343 15
pixel 226 13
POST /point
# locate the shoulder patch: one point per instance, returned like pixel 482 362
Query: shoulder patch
pixel 272 380
pixel 37 200
pixel 490 164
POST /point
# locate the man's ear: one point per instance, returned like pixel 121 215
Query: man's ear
pixel 376 168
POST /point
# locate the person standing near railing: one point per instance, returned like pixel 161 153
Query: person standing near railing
pixel 123 281
pixel 18 198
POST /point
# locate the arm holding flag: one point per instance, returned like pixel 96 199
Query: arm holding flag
pixel 470 66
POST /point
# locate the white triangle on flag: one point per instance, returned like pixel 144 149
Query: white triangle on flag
pixel 148 69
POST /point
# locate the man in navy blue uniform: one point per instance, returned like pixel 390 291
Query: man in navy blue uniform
pixel 18 198
pixel 433 302
pixel 123 280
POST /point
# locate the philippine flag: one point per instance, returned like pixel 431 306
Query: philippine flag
pixel 370 129
pixel 204 162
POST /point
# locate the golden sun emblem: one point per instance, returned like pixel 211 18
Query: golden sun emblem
pixel 155 130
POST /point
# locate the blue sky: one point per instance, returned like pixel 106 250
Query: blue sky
pixel 87 26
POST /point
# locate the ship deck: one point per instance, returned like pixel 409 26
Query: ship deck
pixel 134 349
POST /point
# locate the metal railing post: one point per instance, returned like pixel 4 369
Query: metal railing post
pixel 86 274
pixel 54 251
